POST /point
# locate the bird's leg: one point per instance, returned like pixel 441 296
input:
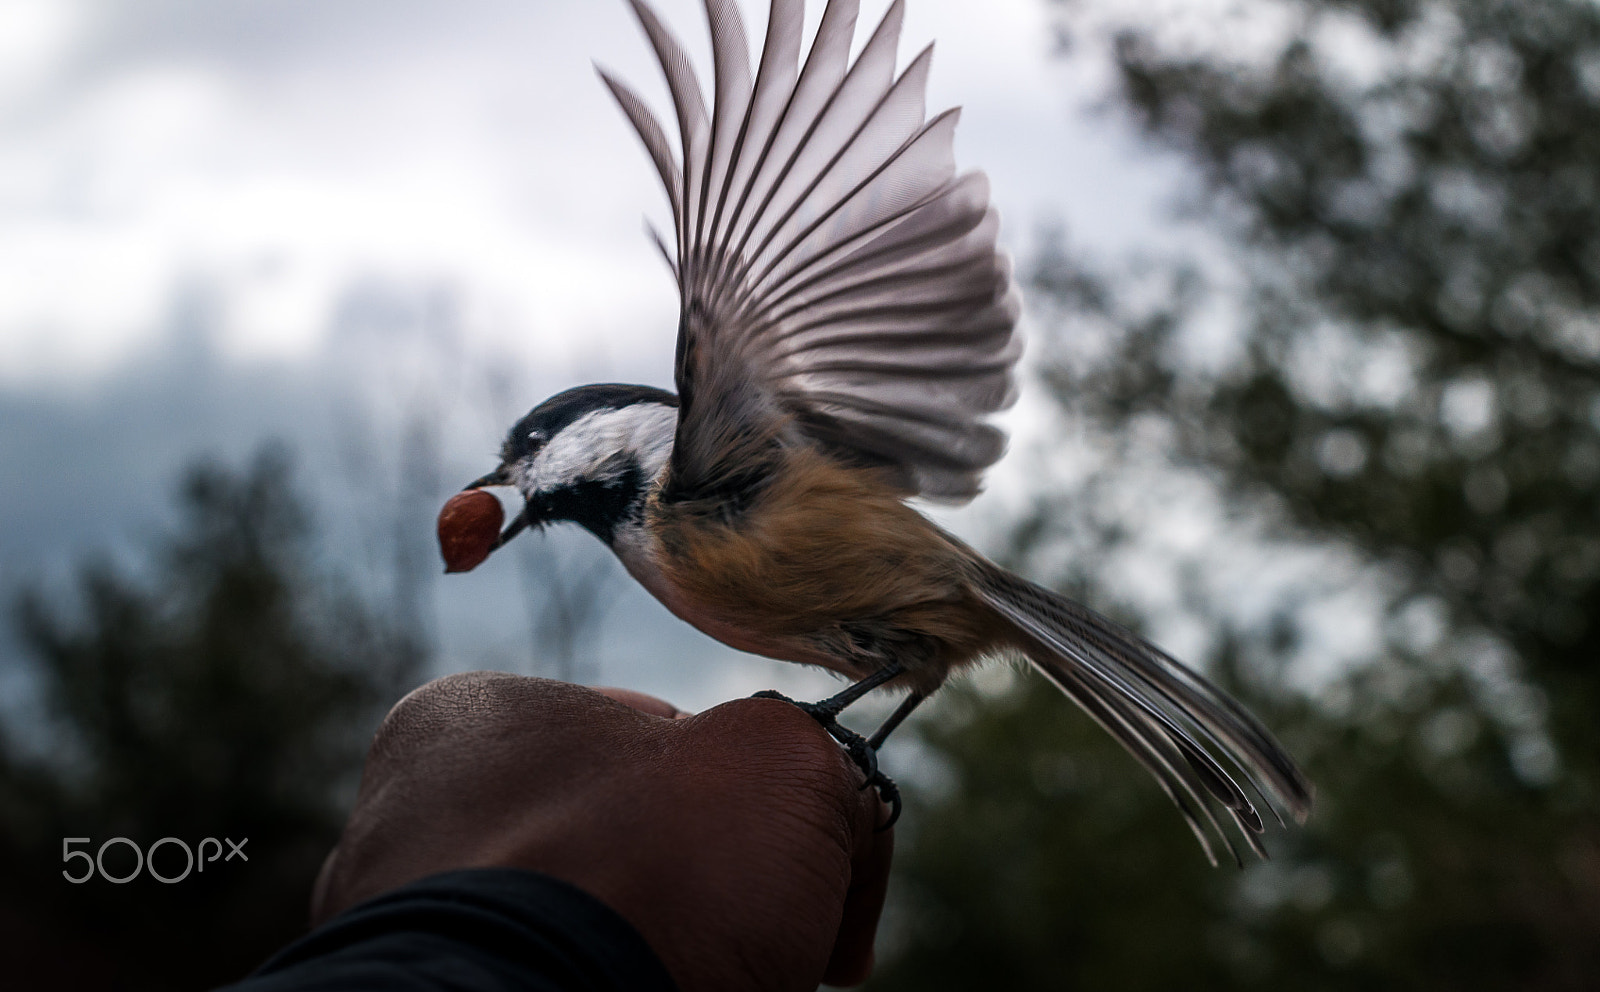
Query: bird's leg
pixel 887 790
pixel 826 712
pixel 862 751
pixel 896 718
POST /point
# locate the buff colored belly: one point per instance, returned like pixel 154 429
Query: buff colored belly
pixel 633 548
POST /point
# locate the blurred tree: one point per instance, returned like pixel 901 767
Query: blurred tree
pixel 1403 233
pixel 228 693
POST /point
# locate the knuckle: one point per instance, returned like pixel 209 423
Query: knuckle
pixel 783 747
pixel 436 709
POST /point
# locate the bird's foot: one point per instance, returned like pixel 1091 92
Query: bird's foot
pixel 861 751
pixel 888 794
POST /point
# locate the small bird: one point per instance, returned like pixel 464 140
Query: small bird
pixel 846 324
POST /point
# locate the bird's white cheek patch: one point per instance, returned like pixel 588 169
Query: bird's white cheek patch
pixel 602 445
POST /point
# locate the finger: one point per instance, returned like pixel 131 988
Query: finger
pixel 852 957
pixel 643 703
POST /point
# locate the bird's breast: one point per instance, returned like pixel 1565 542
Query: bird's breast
pixel 642 556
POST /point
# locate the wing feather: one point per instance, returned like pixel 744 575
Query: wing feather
pixel 824 67
pixel 655 142
pixel 775 81
pixel 840 280
pixel 693 125
pixel 847 128
pixel 731 62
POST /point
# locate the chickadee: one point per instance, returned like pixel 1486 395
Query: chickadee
pixel 846 324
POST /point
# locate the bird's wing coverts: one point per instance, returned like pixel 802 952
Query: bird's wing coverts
pixel 836 274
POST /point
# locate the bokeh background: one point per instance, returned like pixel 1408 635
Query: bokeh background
pixel 1312 398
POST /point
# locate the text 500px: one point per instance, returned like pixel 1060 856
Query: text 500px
pixel 194 859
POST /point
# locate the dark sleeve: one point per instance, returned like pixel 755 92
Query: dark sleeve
pixel 478 929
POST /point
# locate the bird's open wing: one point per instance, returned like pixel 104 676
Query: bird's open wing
pixel 838 278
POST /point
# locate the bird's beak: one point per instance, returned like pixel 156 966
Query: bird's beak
pixel 519 523
pixel 499 477
pixel 515 527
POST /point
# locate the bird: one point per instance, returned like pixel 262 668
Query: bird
pixel 847 329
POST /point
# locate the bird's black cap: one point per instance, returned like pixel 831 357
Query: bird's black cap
pixel 556 413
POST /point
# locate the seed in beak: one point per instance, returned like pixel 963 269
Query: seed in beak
pixel 469 528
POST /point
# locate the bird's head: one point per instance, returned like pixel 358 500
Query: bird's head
pixel 585 455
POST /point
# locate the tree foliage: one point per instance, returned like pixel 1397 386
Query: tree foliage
pixel 1402 214
pixel 226 691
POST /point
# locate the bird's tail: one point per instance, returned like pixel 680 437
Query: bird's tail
pixel 1156 707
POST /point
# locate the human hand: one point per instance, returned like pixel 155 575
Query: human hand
pixel 738 842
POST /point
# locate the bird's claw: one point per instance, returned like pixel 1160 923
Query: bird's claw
pixel 888 794
pixel 861 752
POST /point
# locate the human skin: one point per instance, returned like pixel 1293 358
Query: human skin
pixel 738 842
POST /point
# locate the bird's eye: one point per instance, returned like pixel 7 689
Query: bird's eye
pixel 535 436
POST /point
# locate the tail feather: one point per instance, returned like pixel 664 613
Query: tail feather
pixel 1154 752
pixel 1155 707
